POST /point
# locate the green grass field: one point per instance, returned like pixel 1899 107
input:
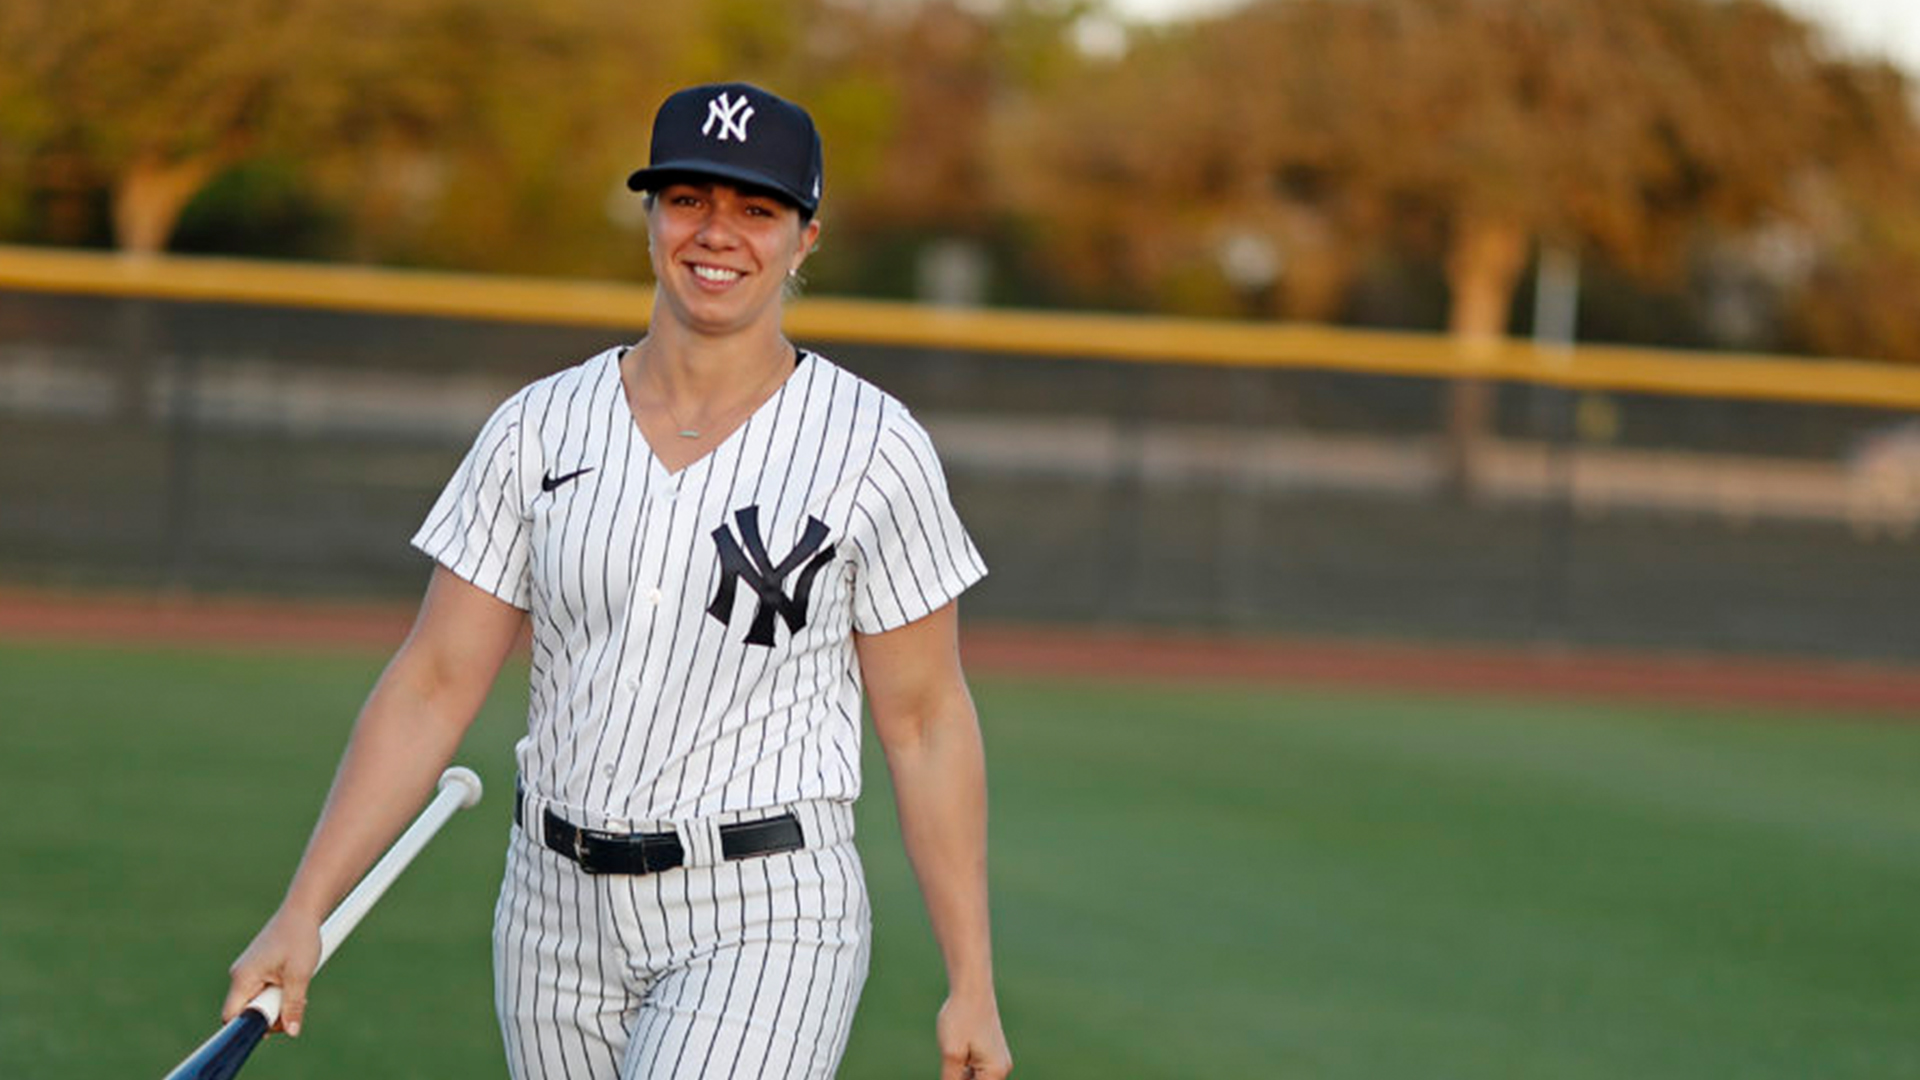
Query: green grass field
pixel 1188 883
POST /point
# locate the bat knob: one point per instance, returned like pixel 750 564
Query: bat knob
pixel 267 1003
pixel 467 780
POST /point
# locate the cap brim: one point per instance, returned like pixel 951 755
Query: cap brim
pixel 654 177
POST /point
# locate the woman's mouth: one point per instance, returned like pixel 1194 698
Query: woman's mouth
pixel 718 275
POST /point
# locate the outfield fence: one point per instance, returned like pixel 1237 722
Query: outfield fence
pixel 215 425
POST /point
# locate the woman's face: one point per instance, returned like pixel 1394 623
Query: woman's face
pixel 721 254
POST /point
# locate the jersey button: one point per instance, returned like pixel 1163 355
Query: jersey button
pixel 654 596
pixel 607 771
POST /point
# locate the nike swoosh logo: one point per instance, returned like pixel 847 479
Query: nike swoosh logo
pixel 549 481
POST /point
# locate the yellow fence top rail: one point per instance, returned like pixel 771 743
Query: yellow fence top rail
pixel 1105 337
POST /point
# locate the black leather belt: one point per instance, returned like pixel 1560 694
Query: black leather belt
pixel 599 852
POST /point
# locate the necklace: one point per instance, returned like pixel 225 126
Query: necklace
pixel 680 428
pixel 684 431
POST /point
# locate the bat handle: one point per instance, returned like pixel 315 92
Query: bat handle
pixel 459 788
pixel 267 1004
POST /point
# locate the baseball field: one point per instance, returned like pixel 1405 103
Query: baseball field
pixel 1220 880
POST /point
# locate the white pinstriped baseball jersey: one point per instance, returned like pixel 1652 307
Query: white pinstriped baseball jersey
pixel 692 652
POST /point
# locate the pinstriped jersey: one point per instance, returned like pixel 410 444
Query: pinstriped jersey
pixel 692 631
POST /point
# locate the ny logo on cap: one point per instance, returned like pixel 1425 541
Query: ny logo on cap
pixel 732 115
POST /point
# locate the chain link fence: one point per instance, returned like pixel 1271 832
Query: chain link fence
pixel 291 451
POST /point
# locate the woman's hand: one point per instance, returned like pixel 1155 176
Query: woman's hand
pixel 284 954
pixel 972 1046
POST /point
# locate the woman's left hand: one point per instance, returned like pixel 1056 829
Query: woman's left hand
pixel 972 1046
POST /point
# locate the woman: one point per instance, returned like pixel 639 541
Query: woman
pixel 717 539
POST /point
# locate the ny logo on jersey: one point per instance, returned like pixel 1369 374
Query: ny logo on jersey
pixel 732 116
pixel 746 559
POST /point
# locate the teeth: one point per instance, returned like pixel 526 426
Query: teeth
pixel 715 273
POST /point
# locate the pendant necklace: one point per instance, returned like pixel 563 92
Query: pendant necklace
pixel 684 431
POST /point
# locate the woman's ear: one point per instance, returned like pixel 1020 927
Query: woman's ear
pixel 809 237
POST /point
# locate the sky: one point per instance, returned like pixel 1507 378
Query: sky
pixel 1883 27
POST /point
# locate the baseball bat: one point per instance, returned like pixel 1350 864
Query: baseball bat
pixel 220 1057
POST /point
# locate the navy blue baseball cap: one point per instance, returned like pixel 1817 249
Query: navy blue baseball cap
pixel 739 132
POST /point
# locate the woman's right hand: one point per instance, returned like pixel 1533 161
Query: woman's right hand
pixel 284 953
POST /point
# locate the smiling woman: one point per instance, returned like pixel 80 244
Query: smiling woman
pixel 731 190
pixel 722 254
pixel 682 894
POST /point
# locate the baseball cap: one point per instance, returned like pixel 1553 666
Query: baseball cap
pixel 735 131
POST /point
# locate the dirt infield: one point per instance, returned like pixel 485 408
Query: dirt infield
pixel 27 615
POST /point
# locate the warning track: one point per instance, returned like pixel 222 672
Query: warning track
pixel 35 615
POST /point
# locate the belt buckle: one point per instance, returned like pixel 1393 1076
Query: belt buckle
pixel 580 846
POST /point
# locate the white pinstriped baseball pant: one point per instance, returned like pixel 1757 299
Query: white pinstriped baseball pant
pixel 748 970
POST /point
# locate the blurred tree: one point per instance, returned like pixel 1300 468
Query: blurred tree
pixel 1255 162
pixel 151 102
pixel 1857 299
pixel 1860 299
pixel 1474 128
pixel 490 134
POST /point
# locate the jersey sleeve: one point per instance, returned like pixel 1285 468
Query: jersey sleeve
pixel 911 553
pixel 478 528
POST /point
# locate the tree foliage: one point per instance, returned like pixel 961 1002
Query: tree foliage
pixel 1251 162
pixel 1467 127
pixel 150 101
pixel 1472 130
